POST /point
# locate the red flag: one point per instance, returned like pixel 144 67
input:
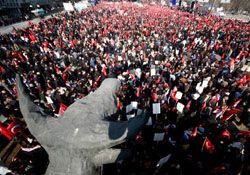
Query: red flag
pixel 208 145
pixel 138 91
pixel 245 133
pixel 119 105
pixel 217 169
pixel 231 64
pixel 32 38
pixel 235 104
pixel 226 134
pixel 172 95
pixel 203 106
pixel 228 114
pixel 14 127
pixel 215 98
pixel 188 105
pixel 104 71
pixel 2 70
pixel 155 97
pixel 5 132
pixel 62 109
pixel 194 132
pixel 242 81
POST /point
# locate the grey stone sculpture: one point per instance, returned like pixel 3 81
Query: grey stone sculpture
pixel 81 140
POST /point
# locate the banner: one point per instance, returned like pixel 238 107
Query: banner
pixel 81 6
pixel 68 6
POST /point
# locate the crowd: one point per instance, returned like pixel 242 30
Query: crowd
pixel 196 68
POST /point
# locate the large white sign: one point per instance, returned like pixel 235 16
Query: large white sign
pixel 68 6
pixel 81 5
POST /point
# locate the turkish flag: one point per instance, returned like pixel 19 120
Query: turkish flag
pixel 14 127
pixel 228 114
pixel 235 104
pixel 188 105
pixel 62 109
pixel 208 145
pixel 104 71
pixel 194 132
pixel 32 38
pixel 226 134
pixel 138 91
pixel 5 132
pixel 242 81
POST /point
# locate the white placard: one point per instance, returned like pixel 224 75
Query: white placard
pixel 68 7
pixel 180 107
pixel 163 160
pixel 178 95
pixel 159 137
pixel 152 71
pixel 134 104
pixel 81 5
pixel 130 116
pixel 149 123
pixel 156 108
pixel 199 88
pixel 196 96
pixel 139 112
pixel 129 108
pixel 49 101
pixel 225 1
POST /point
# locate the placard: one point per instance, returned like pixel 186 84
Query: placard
pixel 156 108
pixel 49 100
pixel 163 160
pixel 134 104
pixel 129 108
pixel 149 123
pixel 159 137
pixel 178 95
pixel 153 71
pixel 68 6
pixel 130 116
pixel 180 107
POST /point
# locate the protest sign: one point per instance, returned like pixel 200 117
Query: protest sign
pixel 68 6
pixel 178 95
pixel 149 123
pixel 156 108
pixel 180 107
pixel 159 137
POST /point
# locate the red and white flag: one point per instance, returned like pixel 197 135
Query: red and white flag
pixel 208 146
pixel 62 109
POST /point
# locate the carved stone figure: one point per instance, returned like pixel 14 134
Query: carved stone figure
pixel 81 140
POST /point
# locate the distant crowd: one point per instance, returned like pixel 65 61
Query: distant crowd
pixel 190 72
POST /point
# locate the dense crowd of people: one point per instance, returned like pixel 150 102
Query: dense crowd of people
pixel 196 68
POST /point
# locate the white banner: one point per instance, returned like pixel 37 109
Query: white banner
pixel 68 6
